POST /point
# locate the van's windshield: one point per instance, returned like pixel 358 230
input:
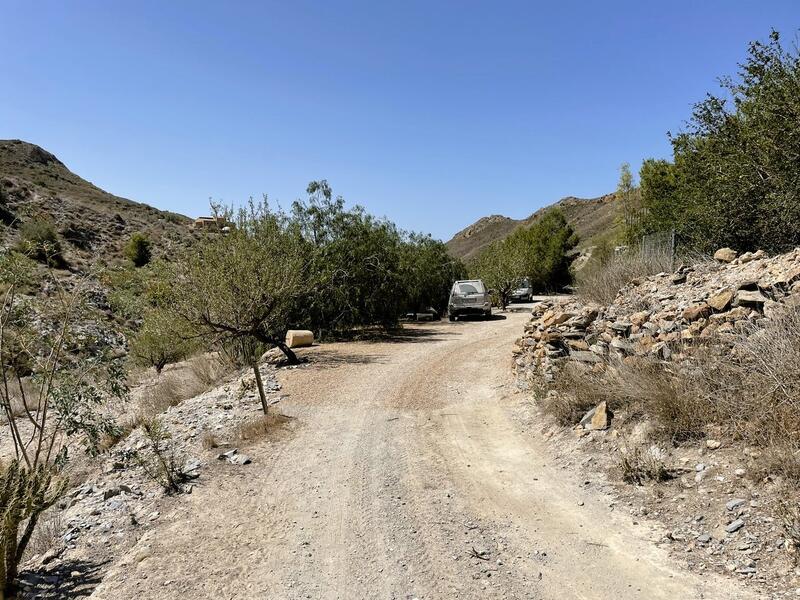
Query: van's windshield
pixel 469 287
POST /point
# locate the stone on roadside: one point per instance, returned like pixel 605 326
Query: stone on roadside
pixel 233 457
pixel 695 312
pixel 584 356
pixel 734 526
pixel 752 298
pixel 721 300
pixel 725 255
pixel 735 503
pixel 598 418
pixel 299 338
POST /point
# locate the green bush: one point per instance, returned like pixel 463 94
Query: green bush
pixel 38 240
pixel 162 340
pixel 733 180
pixel 138 249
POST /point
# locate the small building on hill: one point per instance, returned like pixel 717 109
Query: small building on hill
pixel 213 223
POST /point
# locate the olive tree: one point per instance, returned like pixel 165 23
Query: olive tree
pixel 240 286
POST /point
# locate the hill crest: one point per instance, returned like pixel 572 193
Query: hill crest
pixel 590 217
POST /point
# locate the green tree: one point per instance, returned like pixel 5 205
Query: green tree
pixel 545 248
pixel 139 249
pixel 500 267
pixel 243 285
pixel 354 264
pixel 630 206
pixel 538 253
pixel 427 273
pixel 163 339
pixel 734 179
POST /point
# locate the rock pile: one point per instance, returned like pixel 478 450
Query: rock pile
pixel 717 505
pixel 663 316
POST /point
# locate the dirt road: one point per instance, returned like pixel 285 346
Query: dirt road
pixel 407 474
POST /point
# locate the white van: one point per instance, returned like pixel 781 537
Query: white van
pixel 469 297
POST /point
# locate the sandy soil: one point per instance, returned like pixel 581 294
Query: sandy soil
pixel 406 475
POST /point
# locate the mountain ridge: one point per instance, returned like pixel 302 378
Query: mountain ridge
pixel 589 217
pixel 95 224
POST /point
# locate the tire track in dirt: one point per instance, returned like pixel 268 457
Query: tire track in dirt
pixel 403 460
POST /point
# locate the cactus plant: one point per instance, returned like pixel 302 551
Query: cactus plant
pixel 25 493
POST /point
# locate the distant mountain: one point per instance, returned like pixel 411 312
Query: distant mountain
pixel 94 225
pixel 589 217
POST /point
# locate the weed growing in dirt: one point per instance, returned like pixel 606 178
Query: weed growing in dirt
pixel 259 427
pixel 601 280
pixel 209 441
pixel 638 466
pixel 162 464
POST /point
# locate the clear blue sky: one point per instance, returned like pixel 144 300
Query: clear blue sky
pixel 430 113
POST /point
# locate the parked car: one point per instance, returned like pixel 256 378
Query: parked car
pixel 523 293
pixel 469 297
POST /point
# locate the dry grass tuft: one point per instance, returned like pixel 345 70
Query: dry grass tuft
pixel 638 466
pixel 47 534
pixel 209 441
pixel 260 427
pixel 176 383
pixel 601 281
pixel 788 513
pixel 752 392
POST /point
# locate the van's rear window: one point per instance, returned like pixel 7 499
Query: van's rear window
pixel 470 288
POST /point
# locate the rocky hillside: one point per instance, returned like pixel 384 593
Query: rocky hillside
pixel 94 224
pixel 685 388
pixel 589 217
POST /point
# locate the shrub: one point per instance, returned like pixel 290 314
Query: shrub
pixel 138 249
pixel 25 493
pixel 162 464
pixel 638 466
pixel 67 398
pixel 38 240
pixel 733 179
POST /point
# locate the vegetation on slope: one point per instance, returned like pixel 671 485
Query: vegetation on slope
pixel 735 175
pixel 537 253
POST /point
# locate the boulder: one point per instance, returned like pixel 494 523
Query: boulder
pixel 621 327
pixel 752 298
pixel 721 300
pixel 299 338
pixel 697 311
pixel 580 345
pixel 585 357
pixel 725 255
pixel 598 418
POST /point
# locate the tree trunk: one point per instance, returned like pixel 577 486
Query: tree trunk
pixel 289 353
pixel 260 386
